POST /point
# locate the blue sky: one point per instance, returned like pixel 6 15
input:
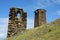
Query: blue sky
pixel 52 8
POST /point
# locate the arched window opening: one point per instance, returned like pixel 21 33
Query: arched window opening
pixel 18 15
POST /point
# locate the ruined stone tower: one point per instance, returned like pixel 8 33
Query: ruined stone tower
pixel 17 23
pixel 40 17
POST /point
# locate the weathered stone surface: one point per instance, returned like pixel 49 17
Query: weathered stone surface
pixel 40 17
pixel 16 23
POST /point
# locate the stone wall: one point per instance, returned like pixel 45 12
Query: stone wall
pixel 40 17
pixel 16 23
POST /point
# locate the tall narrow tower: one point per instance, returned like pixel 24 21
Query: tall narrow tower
pixel 17 23
pixel 40 17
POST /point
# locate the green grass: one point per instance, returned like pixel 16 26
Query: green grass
pixel 44 32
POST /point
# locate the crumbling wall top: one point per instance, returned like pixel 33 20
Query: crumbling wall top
pixel 39 10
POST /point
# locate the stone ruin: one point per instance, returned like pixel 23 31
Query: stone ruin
pixel 17 23
pixel 40 17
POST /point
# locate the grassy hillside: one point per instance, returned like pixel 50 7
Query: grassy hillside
pixel 44 32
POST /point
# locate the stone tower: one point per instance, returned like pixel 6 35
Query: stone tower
pixel 17 23
pixel 40 17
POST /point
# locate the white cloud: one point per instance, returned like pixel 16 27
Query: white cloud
pixel 30 23
pixel 43 3
pixel 3 27
pixel 46 3
pixel 58 12
pixel 56 1
pixel 40 5
pixel 2 35
pixel 3 21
